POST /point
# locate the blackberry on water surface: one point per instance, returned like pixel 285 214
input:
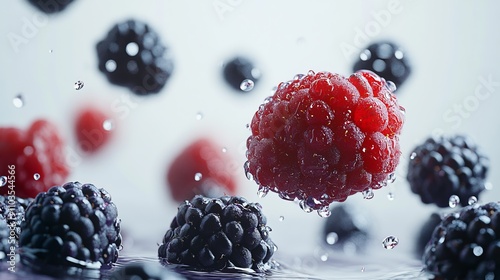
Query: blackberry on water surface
pixel 71 225
pixel 218 233
pixel 445 166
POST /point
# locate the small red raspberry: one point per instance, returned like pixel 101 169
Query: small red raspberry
pixel 323 137
pixel 38 157
pixel 93 129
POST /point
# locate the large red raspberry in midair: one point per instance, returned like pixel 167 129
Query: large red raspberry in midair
pixel 323 137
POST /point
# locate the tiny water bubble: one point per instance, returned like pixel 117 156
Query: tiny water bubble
pixel 199 115
pixel 332 238
pixel 263 191
pixel 402 110
pixel 390 242
pixel 18 101
pixel 324 257
pixel 390 196
pixel 3 181
pixel 324 212
pixel 247 85
pixel 79 85
pixel 281 218
pixel 268 99
pixel 51 51
pixel 303 205
pixel 391 178
pixel 198 176
pixel 246 167
pixel 311 73
pixel 472 200
pixel 368 193
pixel 391 86
pixel 413 156
pixel 453 201
pixel 363 269
pixel 224 149
pixel 298 77
pixel 36 176
pixel 108 125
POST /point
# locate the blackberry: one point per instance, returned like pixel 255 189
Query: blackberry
pixel 347 228
pixel 12 211
pixel 51 6
pixel 466 244
pixel 215 233
pixel 73 224
pixel 446 166
pixel 425 233
pixel 387 60
pixel 132 55
pixel 239 69
pixel 144 271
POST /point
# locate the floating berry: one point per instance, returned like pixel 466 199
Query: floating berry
pixel 93 129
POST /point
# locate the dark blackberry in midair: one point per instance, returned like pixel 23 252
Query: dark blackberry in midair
pixel 132 55
pixel 239 69
pixel 347 228
pixel 446 166
pixel 387 60
pixel 12 210
pixel 215 233
pixel 51 6
pixel 74 225
pixel 466 244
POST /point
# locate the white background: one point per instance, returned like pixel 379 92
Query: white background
pixel 450 44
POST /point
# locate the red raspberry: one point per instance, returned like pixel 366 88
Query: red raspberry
pixel 93 129
pixel 201 168
pixel 38 157
pixel 323 137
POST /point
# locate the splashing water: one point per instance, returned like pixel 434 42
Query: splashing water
pixel 79 85
pixel 453 201
pixel 247 85
pixel 3 181
pixel 390 242
pixel 368 193
pixel 36 176
pixel 198 176
pixel 18 101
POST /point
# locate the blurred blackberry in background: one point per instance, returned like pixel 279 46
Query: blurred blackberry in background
pixel 132 55
pixel 466 244
pixel 347 228
pixel 215 233
pixel 425 233
pixel 387 60
pixel 241 74
pixel 73 225
pixel 11 217
pixel 446 166
pixel 51 6
pixel 144 271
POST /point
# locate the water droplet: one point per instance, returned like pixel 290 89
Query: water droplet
pixel 282 218
pixel 3 181
pixel 324 257
pixel 363 269
pixel 18 101
pixel 262 192
pixel 198 176
pixel 224 149
pixel 246 167
pixel 79 85
pixel 477 251
pixel 311 73
pixel 51 51
pixel 199 115
pixel 413 155
pixel 368 193
pixel 391 86
pixel 390 242
pixel 390 196
pixel 305 207
pixel 108 125
pixel 365 55
pixel 110 65
pixel 36 176
pixel 402 110
pixel 453 201
pixel 268 99
pixel 247 126
pixel 324 212
pixel 472 200
pixel 332 238
pixel 132 49
pixel 298 77
pixel 391 178
pixel 247 85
